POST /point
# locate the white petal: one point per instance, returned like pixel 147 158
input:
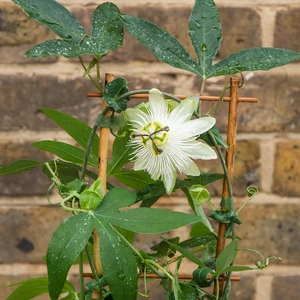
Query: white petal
pixel 191 169
pixel 169 179
pixel 136 116
pixel 202 151
pixel 183 112
pixel 158 106
pixel 202 125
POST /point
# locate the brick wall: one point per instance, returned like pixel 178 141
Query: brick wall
pixel 268 153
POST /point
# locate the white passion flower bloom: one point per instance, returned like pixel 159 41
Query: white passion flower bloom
pixel 165 141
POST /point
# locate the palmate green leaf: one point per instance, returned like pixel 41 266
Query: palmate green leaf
pixel 119 264
pixel 107 35
pixel 163 45
pixel 65 151
pixel 253 59
pixel 28 289
pixel 55 16
pixel 68 240
pixel 19 166
pixel 205 33
pixel 142 220
pixel 75 128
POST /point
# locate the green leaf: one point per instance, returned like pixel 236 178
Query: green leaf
pixel 163 248
pixel 226 257
pixel 184 292
pixel 199 229
pixel 68 240
pixel 119 264
pixel 200 276
pixel 113 91
pixel 142 220
pixel 120 155
pixel 65 151
pixel 198 241
pixel 156 190
pixel 66 172
pixel 253 59
pixel 55 16
pixel 224 216
pixel 238 269
pixel 134 179
pixel 107 28
pixel 218 137
pixel 33 287
pixel 186 253
pixel 107 35
pixel 19 166
pixel 205 33
pixel 75 128
pixel 164 46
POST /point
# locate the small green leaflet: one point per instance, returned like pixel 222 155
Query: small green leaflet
pixel 75 128
pixel 19 166
pixel 55 16
pixel 28 289
pixel 65 151
pixel 107 30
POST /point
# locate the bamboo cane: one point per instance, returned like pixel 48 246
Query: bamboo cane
pixel 202 98
pixel 102 167
pixel 231 142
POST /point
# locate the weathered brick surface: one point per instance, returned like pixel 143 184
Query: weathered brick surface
pixel 272 230
pixel 287 169
pixel 17 29
pixel 25 232
pixel 28 183
pixel 26 95
pixel 246 171
pixel 285 287
pixel 287 28
pixel 246 32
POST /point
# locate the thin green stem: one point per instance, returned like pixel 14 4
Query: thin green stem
pixel 150 262
pixel 90 142
pixel 254 193
pixel 82 296
pixel 89 75
pixel 222 159
pixel 91 263
pixel 221 97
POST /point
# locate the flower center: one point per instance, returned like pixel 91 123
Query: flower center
pixel 154 132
